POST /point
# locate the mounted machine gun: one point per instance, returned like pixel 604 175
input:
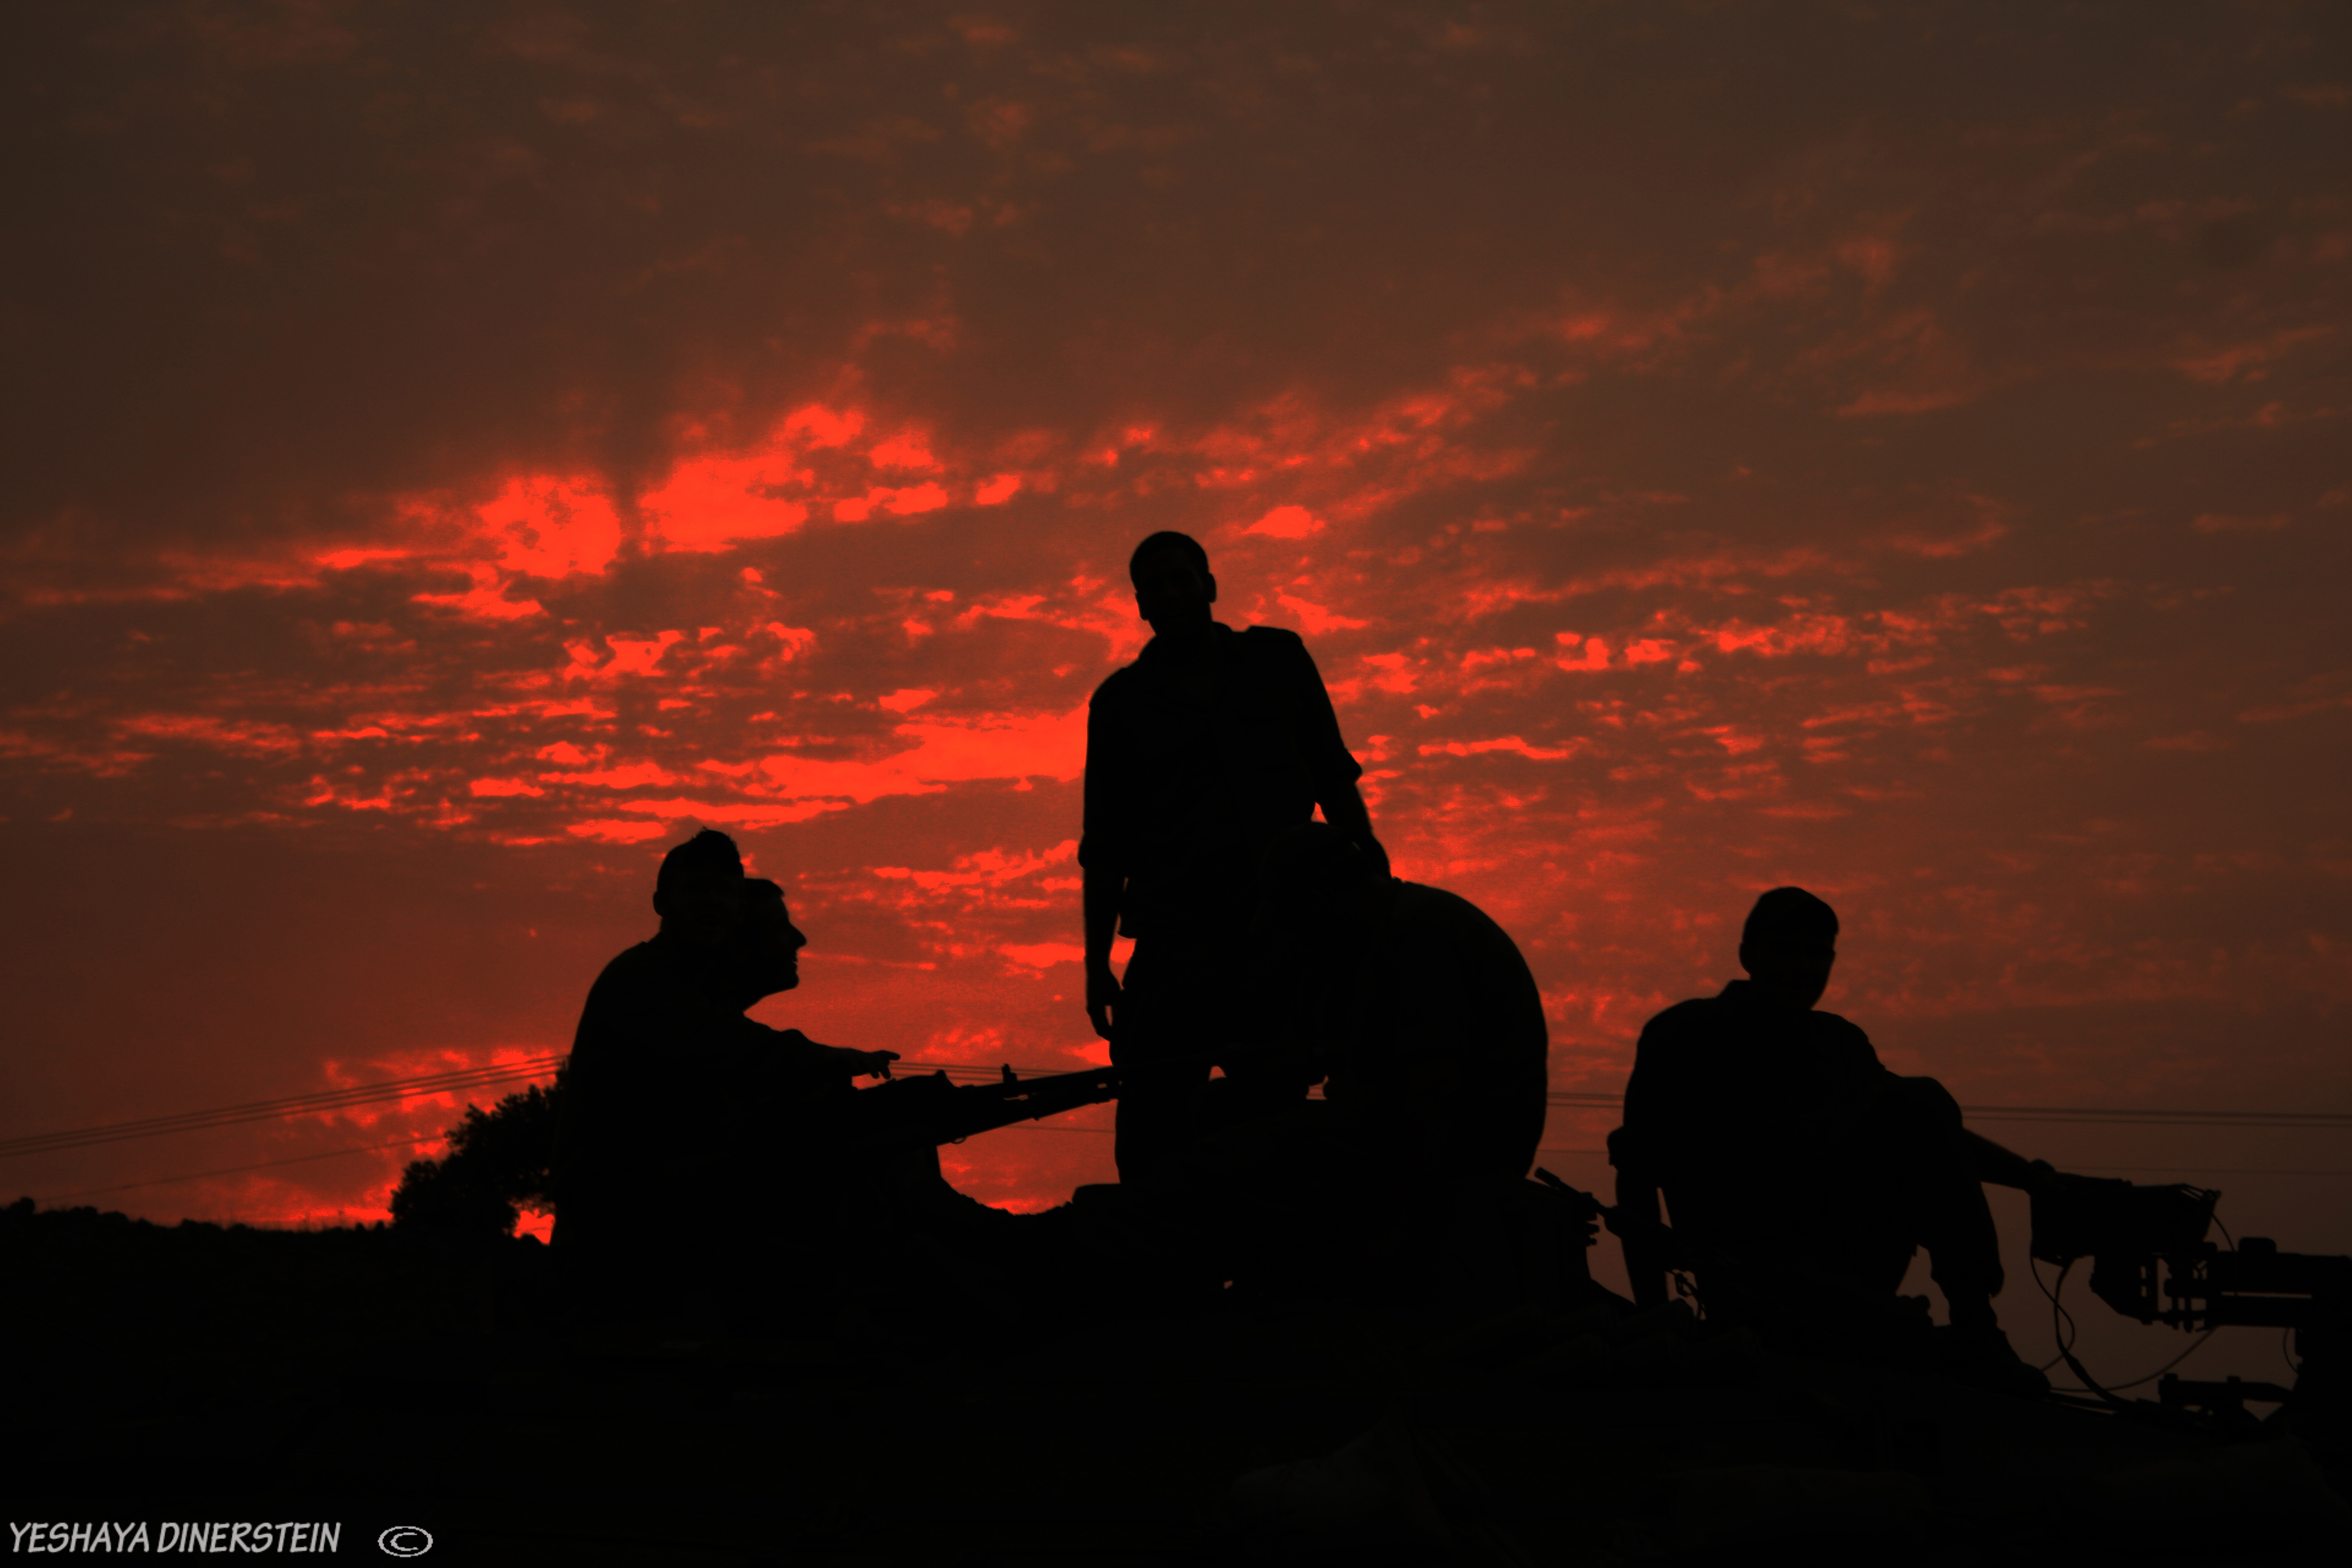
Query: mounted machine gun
pixel 2150 1261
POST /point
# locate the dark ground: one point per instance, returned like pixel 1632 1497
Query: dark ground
pixel 385 1378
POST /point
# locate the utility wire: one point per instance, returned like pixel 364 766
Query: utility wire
pixel 957 1071
pixel 2277 1120
pixel 264 1165
pixel 2118 1115
pixel 275 1109
pixel 437 1137
pixel 339 1099
pixel 432 1084
pixel 2216 1170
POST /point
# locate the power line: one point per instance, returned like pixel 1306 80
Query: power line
pixel 2326 1120
pixel 2216 1170
pixel 332 1100
pixel 451 1083
pixel 984 1074
pixel 958 1071
pixel 408 1086
pixel 277 1109
pixel 364 1094
pixel 264 1165
pixel 1017 1127
pixel 435 1138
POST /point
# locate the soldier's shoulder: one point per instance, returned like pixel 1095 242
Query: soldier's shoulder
pixel 625 990
pixel 1113 688
pixel 1838 1029
pixel 630 970
pixel 1274 651
pixel 644 955
pixel 1273 640
pixel 1696 1019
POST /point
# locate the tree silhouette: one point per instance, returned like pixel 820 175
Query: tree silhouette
pixel 499 1161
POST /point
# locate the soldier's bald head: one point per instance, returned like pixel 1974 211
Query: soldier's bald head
pixel 1789 945
pixel 1183 546
pixel 1787 915
pixel 1173 585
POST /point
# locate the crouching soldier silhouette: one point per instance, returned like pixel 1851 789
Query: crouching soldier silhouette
pixel 1419 1017
pixel 1801 1176
pixel 700 1157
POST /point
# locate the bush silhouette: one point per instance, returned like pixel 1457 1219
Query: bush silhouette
pixel 499 1161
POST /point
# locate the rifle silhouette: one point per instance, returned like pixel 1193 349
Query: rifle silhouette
pixel 928 1109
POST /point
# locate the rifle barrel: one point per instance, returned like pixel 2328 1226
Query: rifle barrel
pixel 935 1111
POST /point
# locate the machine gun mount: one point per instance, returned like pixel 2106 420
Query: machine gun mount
pixel 2151 1262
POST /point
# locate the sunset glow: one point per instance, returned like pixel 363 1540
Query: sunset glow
pixel 457 457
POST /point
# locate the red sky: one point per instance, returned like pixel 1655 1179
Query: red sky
pixel 457 449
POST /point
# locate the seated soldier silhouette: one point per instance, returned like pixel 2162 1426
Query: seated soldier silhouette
pixel 1801 1176
pixel 690 1134
pixel 1419 1017
pixel 1199 755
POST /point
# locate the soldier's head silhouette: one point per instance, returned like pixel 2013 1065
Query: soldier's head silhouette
pixel 701 892
pixel 1789 945
pixel 1173 585
pixel 767 941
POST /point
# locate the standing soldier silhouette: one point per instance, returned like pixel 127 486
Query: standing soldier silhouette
pixel 1199 755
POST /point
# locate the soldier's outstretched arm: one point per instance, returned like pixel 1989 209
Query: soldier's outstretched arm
pixel 844 1059
pixel 2001 1167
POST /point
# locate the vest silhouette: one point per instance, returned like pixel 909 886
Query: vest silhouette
pixel 1199 755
